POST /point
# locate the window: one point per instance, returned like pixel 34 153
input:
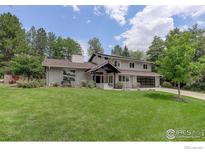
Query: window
pixel 106 58
pixel 145 66
pixel 132 65
pixel 99 56
pixel 123 78
pixel 110 79
pixel 69 75
pixel 117 63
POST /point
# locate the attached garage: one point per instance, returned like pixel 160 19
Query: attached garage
pixel 146 81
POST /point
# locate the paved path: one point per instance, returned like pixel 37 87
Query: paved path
pixel 183 92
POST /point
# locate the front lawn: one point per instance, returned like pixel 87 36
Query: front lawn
pixel 58 114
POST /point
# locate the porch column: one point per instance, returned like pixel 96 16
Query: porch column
pixel 94 78
pixel 114 79
pixel 157 82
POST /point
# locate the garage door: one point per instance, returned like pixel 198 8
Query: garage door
pixel 146 82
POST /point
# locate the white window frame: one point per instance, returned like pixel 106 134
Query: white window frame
pixel 118 63
pixel 145 66
pixel 124 78
pixel 132 65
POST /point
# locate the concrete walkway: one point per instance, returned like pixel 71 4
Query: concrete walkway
pixel 183 92
pixel 198 95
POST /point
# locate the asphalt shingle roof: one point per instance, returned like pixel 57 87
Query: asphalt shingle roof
pixel 66 63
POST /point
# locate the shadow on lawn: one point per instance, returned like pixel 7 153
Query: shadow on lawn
pixel 159 96
pixel 167 97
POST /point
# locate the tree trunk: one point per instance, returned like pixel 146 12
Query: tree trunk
pixel 178 89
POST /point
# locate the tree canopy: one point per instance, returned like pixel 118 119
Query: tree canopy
pixel 137 54
pixel 95 46
pixel 125 52
pixel 174 63
pixel 117 50
pixel 156 48
pixel 12 37
pixel 26 65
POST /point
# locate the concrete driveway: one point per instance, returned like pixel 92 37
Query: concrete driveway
pixel 183 92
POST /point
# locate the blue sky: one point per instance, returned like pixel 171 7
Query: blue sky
pixel 134 26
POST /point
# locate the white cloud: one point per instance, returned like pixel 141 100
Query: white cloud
pixel 110 46
pixel 155 20
pixel 88 21
pixel 184 27
pixel 201 23
pixel 75 8
pixel 117 38
pixel 98 10
pixel 116 12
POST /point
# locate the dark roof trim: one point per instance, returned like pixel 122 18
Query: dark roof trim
pixel 118 57
pixel 95 68
pixel 139 73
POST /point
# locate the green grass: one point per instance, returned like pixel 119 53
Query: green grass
pixel 58 114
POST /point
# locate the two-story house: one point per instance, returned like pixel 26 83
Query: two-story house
pixel 105 70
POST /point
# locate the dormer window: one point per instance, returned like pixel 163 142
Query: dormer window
pixel 132 65
pixel 117 63
pixel 145 66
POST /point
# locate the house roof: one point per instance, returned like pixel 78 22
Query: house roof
pixel 64 63
pixel 107 66
pixel 118 57
pixel 90 67
pixel 138 73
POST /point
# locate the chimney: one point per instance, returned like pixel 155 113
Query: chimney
pixel 77 59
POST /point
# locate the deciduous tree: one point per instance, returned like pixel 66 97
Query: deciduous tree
pixel 26 65
pixel 175 62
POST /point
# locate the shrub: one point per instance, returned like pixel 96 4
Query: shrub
pixel 166 84
pixel 83 83
pixel 91 84
pixel 12 82
pixel 56 84
pixel 186 87
pixel 31 84
pixel 119 85
pixel 136 85
pixel 195 86
pixel 65 84
pixel 42 83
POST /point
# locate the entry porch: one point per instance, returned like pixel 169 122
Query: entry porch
pixel 104 75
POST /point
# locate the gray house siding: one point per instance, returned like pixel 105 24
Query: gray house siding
pixel 124 64
pixel 140 73
pixel 55 75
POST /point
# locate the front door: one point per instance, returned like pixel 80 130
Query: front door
pixel 99 79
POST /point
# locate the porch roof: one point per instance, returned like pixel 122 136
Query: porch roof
pixel 139 73
pixel 106 66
